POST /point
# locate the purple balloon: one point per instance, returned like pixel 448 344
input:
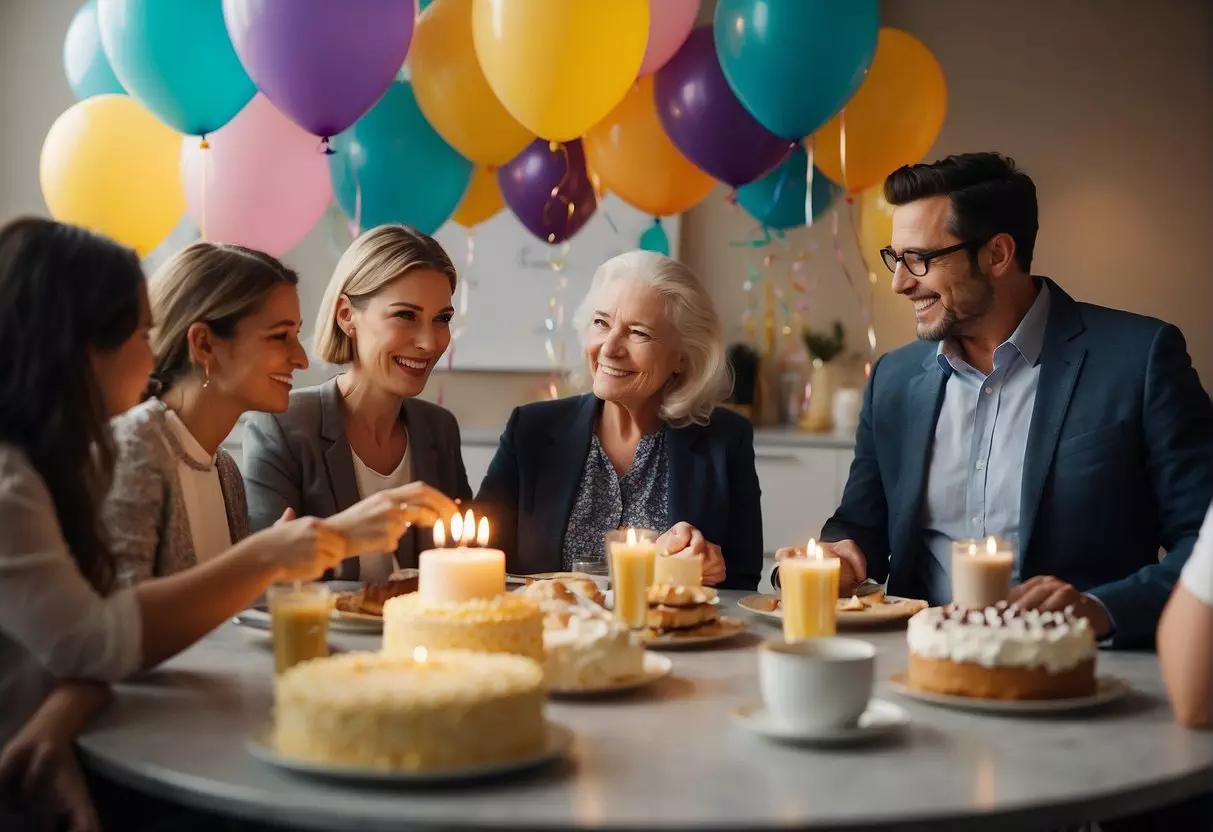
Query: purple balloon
pixel 706 121
pixel 527 183
pixel 322 64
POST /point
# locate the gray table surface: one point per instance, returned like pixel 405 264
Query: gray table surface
pixel 671 756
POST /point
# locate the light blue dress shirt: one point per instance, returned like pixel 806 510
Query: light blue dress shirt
pixel 974 479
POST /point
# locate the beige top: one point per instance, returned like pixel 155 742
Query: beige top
pixel 147 513
pixel 377 567
pixel 52 622
pixel 201 491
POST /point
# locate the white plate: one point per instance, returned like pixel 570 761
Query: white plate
pixel 892 608
pixel 556 745
pixel 655 667
pixel 723 629
pixel 1107 689
pixel 258 618
pixel 879 720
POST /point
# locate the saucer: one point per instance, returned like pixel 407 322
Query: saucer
pixel 880 720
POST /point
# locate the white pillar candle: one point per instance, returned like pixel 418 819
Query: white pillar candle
pixel 981 572
pixel 460 573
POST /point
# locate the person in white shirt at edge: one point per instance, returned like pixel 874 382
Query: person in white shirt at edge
pixel 1185 636
pixel 74 324
pixel 226 341
pixel 386 318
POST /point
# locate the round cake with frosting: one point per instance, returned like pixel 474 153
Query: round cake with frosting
pixel 1001 652
pixel 503 624
pixel 432 712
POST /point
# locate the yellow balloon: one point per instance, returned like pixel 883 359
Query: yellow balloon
pixel 559 66
pixel 482 200
pixel 111 166
pixel 875 226
pixel 453 92
pixel 634 158
pixel 892 120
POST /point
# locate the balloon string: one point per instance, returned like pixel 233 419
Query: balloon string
pixel 808 182
pixel 205 146
pixel 554 343
pixel 355 222
pixel 557 194
pixel 784 174
pixel 842 147
pixel 864 310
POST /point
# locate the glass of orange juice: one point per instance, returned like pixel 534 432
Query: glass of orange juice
pixel 299 623
pixel 631 553
pixel 809 590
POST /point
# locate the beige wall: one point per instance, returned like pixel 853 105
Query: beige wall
pixel 1108 104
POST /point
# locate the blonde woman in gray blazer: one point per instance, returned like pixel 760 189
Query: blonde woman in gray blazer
pixel 386 316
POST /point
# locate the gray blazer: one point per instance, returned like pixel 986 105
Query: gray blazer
pixel 144 513
pixel 302 459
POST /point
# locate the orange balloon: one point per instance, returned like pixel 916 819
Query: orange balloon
pixel 452 91
pixel 875 227
pixel 892 120
pixel 482 200
pixel 636 161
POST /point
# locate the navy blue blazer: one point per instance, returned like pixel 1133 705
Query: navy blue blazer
pixel 1119 463
pixel 532 481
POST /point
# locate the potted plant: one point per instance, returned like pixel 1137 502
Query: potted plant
pixel 823 347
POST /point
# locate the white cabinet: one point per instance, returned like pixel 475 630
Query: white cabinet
pixel 801 487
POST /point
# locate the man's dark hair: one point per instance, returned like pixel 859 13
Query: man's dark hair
pixel 989 196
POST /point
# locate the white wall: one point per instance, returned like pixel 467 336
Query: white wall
pixel 1108 104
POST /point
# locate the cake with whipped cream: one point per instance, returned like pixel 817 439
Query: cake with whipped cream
pixel 432 711
pixel 587 649
pixel 1001 652
pixel 502 624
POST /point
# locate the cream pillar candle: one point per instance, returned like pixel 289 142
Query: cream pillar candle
pixel 981 572
pixel 809 594
pixel 461 572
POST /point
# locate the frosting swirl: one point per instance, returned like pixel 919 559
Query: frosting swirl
pixel 1002 636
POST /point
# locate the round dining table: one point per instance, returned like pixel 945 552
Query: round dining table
pixel 670 756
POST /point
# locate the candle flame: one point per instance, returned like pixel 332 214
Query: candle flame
pixel 991 546
pixel 813 550
pixel 420 654
pixel 482 532
pixel 439 534
pixel 631 537
pixel 456 530
pixel 469 527
pixel 972 548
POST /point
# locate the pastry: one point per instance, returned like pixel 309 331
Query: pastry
pixel 680 608
pixel 565 590
pixel 504 624
pixel 678 570
pixel 430 712
pixel 1001 652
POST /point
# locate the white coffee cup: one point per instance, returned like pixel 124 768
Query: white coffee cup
pixel 818 683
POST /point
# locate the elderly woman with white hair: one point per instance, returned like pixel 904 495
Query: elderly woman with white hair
pixel 648 448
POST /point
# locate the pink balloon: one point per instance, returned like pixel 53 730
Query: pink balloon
pixel 263 183
pixel 670 22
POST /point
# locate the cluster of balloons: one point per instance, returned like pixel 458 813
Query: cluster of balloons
pixel 254 115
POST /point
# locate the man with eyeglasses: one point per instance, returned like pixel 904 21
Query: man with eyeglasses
pixel 1079 433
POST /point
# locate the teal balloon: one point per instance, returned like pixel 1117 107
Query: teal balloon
pixel 655 239
pixel 84 63
pixel 777 199
pixel 795 63
pixel 177 60
pixel 421 4
pixel 392 167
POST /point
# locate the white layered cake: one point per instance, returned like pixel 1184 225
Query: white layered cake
pixel 1001 652
pixel 432 712
pixel 586 650
pixel 502 624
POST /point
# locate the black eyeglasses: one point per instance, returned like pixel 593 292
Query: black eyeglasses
pixel 917 262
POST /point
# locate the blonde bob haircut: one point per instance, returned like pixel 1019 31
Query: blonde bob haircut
pixel 374 260
pixel 705 381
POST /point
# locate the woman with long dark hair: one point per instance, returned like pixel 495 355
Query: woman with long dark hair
pixel 74 322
